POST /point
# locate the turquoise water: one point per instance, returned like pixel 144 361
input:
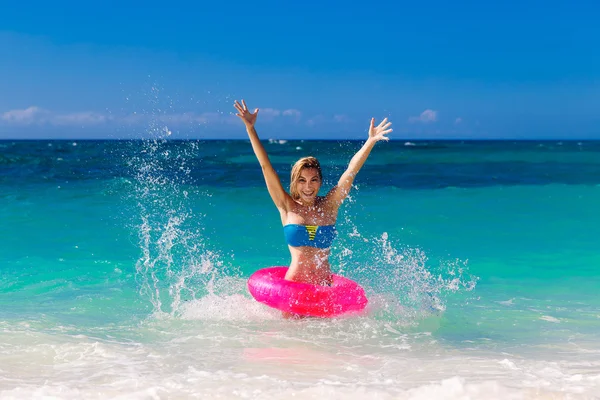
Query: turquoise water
pixel 123 270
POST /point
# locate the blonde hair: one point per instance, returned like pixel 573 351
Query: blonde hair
pixel 305 162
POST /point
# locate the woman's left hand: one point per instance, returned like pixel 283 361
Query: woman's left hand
pixel 378 132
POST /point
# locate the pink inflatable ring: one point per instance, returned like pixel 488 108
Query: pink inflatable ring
pixel 268 286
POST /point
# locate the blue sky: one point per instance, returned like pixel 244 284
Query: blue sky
pixel 437 69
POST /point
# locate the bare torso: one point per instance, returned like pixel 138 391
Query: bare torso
pixel 310 264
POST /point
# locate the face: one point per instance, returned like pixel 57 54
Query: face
pixel 308 184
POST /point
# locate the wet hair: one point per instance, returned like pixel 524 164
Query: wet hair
pixel 305 162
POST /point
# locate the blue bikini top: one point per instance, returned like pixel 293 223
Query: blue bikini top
pixel 297 235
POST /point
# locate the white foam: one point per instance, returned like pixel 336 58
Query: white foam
pixel 230 308
pixel 200 357
pixel 550 319
pixel 507 302
pixel 508 364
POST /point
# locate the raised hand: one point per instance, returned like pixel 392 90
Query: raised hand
pixel 246 116
pixel 378 132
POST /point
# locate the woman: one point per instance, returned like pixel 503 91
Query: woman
pixel 309 220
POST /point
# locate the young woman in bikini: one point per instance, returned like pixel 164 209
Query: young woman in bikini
pixel 308 219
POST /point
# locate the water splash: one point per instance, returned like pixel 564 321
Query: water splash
pixel 401 282
pixel 406 275
pixel 176 263
pixel 180 274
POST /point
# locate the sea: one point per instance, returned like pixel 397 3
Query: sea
pixel 124 268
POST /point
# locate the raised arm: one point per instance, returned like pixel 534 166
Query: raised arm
pixel 339 192
pixel 280 197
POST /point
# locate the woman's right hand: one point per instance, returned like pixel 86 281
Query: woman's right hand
pixel 246 116
pixel 378 132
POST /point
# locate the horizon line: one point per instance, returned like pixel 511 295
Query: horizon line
pixel 299 140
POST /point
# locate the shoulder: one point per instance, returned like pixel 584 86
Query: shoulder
pixel 329 204
pixel 332 199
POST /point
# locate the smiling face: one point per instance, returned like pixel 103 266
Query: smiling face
pixel 308 185
pixel 306 180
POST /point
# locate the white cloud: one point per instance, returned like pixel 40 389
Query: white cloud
pixel 37 115
pixel 218 118
pixel 80 118
pixel 132 119
pixel 292 113
pixel 342 118
pixel 203 118
pixel 184 118
pixel 265 114
pixel 27 116
pixel 269 112
pixel 322 119
pixel 40 116
pixel 425 117
pixel 187 118
pixel 458 120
